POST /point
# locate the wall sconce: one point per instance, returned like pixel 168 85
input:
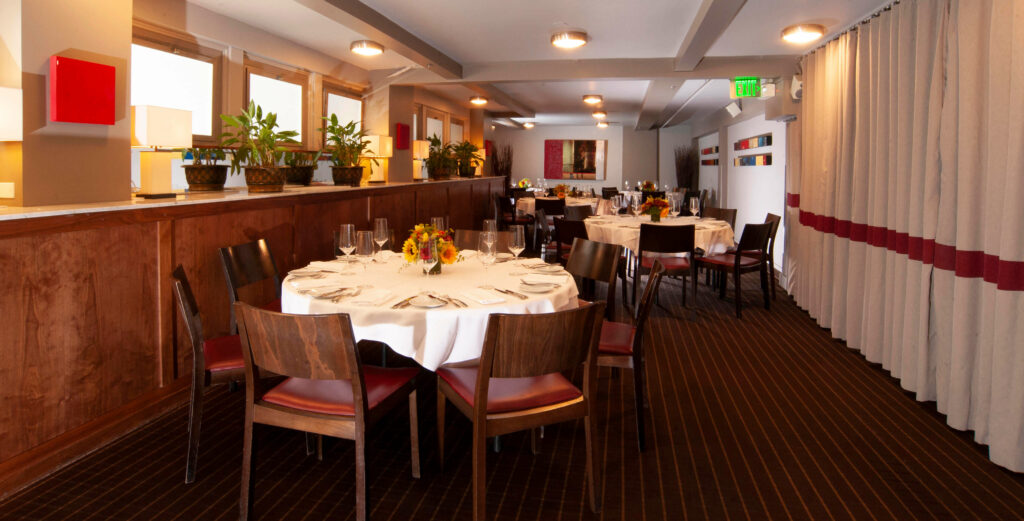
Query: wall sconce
pixel 420 152
pixel 159 127
pixel 378 147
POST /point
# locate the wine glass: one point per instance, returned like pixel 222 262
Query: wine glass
pixel 346 241
pixel 429 256
pixel 694 206
pixel 490 225
pixel 675 205
pixel 635 204
pixel 380 232
pixel 518 241
pixel 439 223
pixel 486 247
pixel 364 247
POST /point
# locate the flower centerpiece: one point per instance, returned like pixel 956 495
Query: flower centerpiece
pixel 524 183
pixel 418 247
pixel 561 190
pixel 648 186
pixel 656 208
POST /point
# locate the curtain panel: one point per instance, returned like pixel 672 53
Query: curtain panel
pixel 906 228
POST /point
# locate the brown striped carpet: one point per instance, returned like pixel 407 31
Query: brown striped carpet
pixel 763 418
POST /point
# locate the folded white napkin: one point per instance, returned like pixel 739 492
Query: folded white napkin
pixel 372 297
pixel 483 297
pixel 308 285
pixel 335 266
pixel 535 278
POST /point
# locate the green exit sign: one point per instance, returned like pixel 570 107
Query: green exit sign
pixel 747 86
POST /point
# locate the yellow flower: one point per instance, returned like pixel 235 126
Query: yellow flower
pixel 409 250
pixel 418 228
pixel 449 254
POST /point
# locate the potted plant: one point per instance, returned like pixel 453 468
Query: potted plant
pixel 204 174
pixel 300 166
pixel 440 161
pixel 501 161
pixel 466 154
pixel 258 147
pixel 346 145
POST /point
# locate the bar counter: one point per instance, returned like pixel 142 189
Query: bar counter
pixel 90 344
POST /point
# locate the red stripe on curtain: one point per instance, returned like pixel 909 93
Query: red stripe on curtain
pixel 1007 275
pixel 793 200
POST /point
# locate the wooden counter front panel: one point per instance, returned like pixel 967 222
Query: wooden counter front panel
pixel 316 224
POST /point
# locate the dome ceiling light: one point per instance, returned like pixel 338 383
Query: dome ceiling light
pixel 478 100
pixel 592 99
pixel 803 33
pixel 366 48
pixel 602 124
pixel 566 39
pixel 528 124
pixel 600 114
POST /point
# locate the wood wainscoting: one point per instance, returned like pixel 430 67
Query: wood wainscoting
pixel 90 344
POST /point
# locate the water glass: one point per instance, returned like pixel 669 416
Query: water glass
pixel 486 248
pixel 439 223
pixel 346 241
pixel 694 206
pixel 518 241
pixel 636 203
pixel 675 205
pixel 380 232
pixel 364 247
pixel 490 226
pixel 429 257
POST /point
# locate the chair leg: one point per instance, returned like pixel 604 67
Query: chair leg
pixel 592 478
pixel 310 443
pixel 195 421
pixel 720 277
pixel 414 435
pixel 771 273
pixel 684 289
pixel 479 472
pixel 638 395
pixel 533 442
pixel 361 499
pixel 248 453
pixel 736 289
pixel 441 403
pixel 765 290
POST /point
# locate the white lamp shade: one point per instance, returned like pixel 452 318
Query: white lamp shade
pixel 420 149
pixel 161 127
pixel 379 146
pixel 11 108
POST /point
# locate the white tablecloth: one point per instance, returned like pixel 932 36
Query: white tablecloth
pixel 710 235
pixel 527 205
pixel 436 336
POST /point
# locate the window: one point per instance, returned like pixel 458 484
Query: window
pixel 456 130
pixel 176 80
pixel 346 108
pixel 281 92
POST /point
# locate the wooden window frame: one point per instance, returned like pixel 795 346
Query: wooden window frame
pixel 452 121
pixel 430 112
pixel 180 44
pixel 280 73
pixel 338 89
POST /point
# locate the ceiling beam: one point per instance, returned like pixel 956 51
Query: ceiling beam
pixel 711 21
pixel 659 94
pixel 365 20
pixel 518 108
pixel 675 115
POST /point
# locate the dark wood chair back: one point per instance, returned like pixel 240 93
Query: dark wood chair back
pixel 657 194
pixel 189 311
pixel 566 232
pixel 607 192
pixel 776 221
pixel 551 207
pixel 578 213
pixel 246 264
pixel 597 261
pixel 647 300
pixel 527 345
pixel 470 240
pixel 666 239
pixel 517 193
pixel 722 214
pixel 754 239
pixel 541 222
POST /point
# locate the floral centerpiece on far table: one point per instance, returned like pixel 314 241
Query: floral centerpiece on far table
pixel 561 190
pixel 648 186
pixel 524 183
pixel 656 208
pixel 417 246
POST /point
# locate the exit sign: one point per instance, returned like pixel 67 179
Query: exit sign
pixel 747 87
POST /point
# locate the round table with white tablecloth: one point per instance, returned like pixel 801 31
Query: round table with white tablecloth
pixel 711 235
pixel 527 205
pixel 447 334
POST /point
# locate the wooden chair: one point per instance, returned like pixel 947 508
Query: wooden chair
pixel 565 233
pixel 552 207
pixel 621 346
pixel 578 213
pixel 328 390
pixel 664 240
pixel 776 222
pixel 507 213
pixel 657 194
pixel 607 192
pixel 722 214
pixel 214 361
pixel 518 385
pixel 247 264
pixel 749 256
pixel 596 261
pixel 470 240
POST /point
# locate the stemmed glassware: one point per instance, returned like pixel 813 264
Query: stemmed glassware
pixel 675 205
pixel 346 241
pixel 429 257
pixel 694 206
pixel 518 241
pixel 380 232
pixel 439 223
pixel 364 247
pixel 490 225
pixel 636 203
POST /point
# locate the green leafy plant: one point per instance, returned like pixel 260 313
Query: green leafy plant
pixel 301 158
pixel 204 156
pixel 256 138
pixel 440 157
pixel 345 142
pixel 467 154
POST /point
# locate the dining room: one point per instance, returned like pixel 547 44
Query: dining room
pixel 373 259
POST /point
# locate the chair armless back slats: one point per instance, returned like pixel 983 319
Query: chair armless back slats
pixel 520 346
pixel 248 263
pixel 578 213
pixel 567 231
pixel 541 220
pixel 594 260
pixel 607 192
pixel 189 310
pixel 776 221
pixel 550 206
pixel 722 214
pixel 754 237
pixel 649 296
pixel 667 239
pixel 470 240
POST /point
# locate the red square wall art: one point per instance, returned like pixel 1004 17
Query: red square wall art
pixel 81 91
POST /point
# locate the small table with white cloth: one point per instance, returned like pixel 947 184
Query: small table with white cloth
pixel 432 336
pixel 712 236
pixel 527 205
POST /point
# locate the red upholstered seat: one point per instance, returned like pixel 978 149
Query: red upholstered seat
pixel 729 259
pixel 511 394
pixel 335 396
pixel 670 263
pixel 223 353
pixel 522 219
pixel 616 338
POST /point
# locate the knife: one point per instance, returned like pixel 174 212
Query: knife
pixel 520 296
pixel 402 303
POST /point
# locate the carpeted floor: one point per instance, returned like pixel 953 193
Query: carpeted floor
pixel 761 418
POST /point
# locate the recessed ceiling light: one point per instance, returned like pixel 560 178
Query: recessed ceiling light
pixel 803 33
pixel 592 99
pixel 366 48
pixel 569 39
pixel 600 114
pixel 602 124
pixel 528 125
pixel 478 100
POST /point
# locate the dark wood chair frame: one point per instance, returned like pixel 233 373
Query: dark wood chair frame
pixel 246 264
pixel 596 261
pixel 578 212
pixel 320 347
pixel 566 232
pixel 551 207
pixel 470 240
pixel 753 244
pixel 664 239
pixel 519 346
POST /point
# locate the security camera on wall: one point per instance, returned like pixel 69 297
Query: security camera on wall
pixel 796 88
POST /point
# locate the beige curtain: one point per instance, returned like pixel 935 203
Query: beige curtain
pixel 908 236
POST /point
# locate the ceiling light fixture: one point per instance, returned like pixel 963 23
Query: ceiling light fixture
pixel 569 39
pixel 478 100
pixel 602 124
pixel 592 99
pixel 803 33
pixel 600 114
pixel 366 48
pixel 528 125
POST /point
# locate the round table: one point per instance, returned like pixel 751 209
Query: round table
pixel 600 206
pixel 711 235
pixel 432 337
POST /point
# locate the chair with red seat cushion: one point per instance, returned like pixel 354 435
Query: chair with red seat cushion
pixel 544 237
pixel 621 345
pixel 248 264
pixel 565 233
pixel 518 385
pixel 214 361
pixel 507 215
pixel 662 241
pixel 596 262
pixel 750 255
pixel 328 390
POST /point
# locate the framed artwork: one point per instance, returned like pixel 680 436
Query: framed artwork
pixel 583 159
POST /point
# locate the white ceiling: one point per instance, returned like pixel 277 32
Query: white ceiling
pixel 561 102
pixel 515 30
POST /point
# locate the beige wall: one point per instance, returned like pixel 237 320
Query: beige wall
pixel 639 155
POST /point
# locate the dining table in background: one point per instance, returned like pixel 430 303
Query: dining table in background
pixel 711 235
pixel 527 205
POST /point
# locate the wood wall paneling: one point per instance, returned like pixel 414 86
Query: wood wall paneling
pixel 460 207
pixel 432 201
pixel 482 202
pixel 316 224
pixel 400 210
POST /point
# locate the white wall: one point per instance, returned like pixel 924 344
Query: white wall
pixel 757 190
pixel 668 139
pixel 528 151
pixel 709 174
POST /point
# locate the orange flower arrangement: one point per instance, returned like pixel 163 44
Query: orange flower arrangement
pixel 561 190
pixel 422 235
pixel 656 208
pixel 648 186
